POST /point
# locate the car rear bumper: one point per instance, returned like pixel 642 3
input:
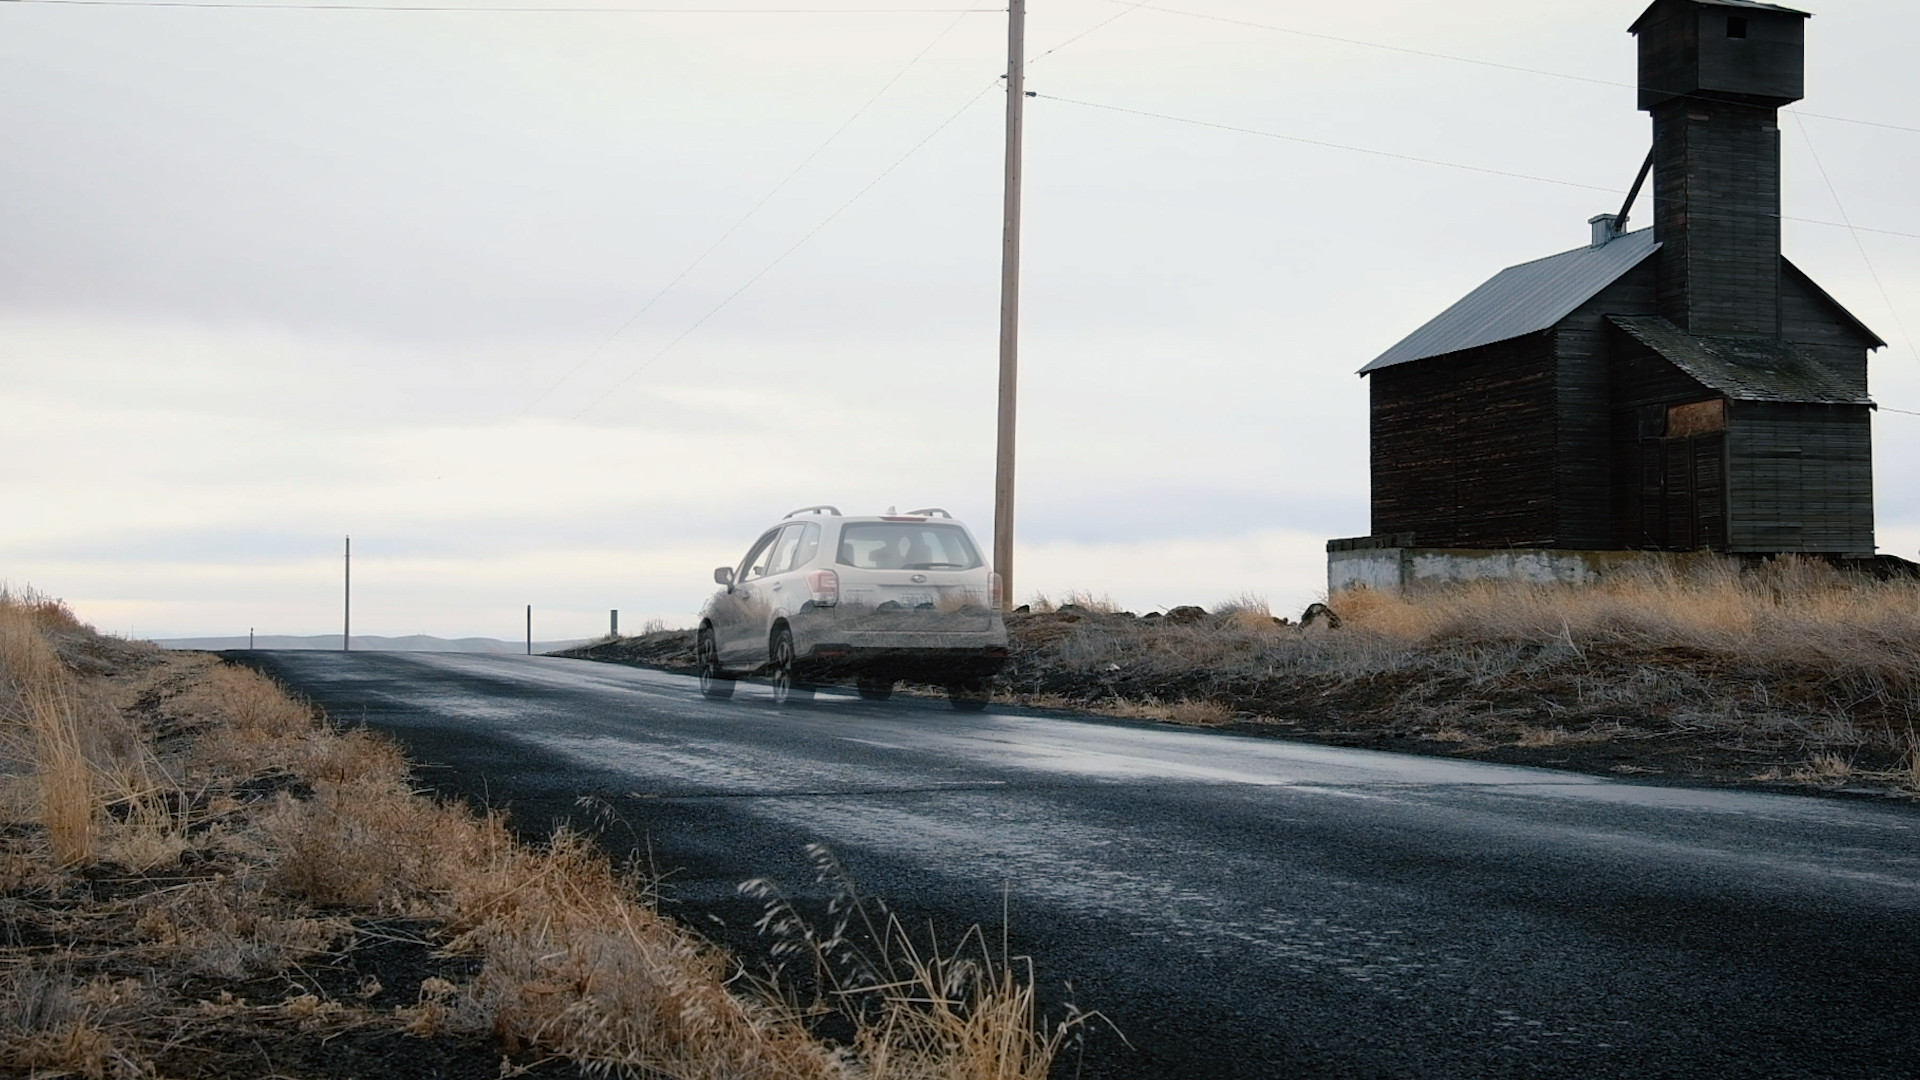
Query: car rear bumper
pixel 928 664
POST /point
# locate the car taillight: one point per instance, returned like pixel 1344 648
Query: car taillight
pixel 993 591
pixel 825 587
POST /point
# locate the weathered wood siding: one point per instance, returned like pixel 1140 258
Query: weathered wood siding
pixel 1690 50
pixel 1464 446
pixel 1717 215
pixel 1583 481
pixel 1801 478
pixel 1809 320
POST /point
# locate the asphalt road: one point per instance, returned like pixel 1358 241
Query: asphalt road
pixel 1237 907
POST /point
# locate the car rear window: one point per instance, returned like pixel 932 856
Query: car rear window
pixel 900 545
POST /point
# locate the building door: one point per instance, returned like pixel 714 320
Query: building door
pixel 1683 480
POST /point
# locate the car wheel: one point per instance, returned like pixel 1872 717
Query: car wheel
pixel 970 695
pixel 787 690
pixel 713 683
pixel 876 689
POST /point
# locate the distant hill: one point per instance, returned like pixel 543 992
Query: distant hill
pixel 411 643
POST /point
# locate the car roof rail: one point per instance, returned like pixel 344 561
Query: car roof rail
pixel 929 511
pixel 823 508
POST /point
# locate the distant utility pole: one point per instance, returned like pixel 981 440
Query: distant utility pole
pixel 529 629
pixel 346 620
pixel 1010 301
pixel 249 639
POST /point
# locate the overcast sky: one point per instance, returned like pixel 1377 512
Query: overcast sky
pixel 270 277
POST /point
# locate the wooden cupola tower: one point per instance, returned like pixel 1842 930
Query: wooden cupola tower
pixel 1714 76
pixel 1683 387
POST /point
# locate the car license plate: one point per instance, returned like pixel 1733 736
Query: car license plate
pixel 914 600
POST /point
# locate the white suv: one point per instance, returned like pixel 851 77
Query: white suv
pixel 885 598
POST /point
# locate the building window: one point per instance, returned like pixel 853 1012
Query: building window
pixel 1736 27
pixel 1696 418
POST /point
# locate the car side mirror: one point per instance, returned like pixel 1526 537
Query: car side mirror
pixel 723 575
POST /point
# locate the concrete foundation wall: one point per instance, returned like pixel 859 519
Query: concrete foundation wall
pixel 1392 569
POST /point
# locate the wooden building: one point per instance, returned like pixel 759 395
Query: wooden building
pixel 1682 387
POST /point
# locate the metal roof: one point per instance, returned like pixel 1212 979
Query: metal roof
pixel 1782 9
pixel 1522 299
pixel 1744 369
pixel 1750 5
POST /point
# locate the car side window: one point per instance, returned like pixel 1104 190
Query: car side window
pixel 755 564
pixel 783 548
pixel 808 547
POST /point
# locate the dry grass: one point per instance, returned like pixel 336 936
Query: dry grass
pixel 72 740
pixel 966 1017
pixel 1790 659
pixel 1184 711
pixel 305 830
pixel 1824 768
pixel 53 1024
pixel 922 1012
pixel 1100 604
pixel 1793 609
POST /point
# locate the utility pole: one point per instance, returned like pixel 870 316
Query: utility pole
pixel 1010 302
pixel 346 619
pixel 529 629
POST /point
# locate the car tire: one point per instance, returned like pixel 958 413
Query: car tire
pixel 787 690
pixel 714 683
pixel 971 695
pixel 876 689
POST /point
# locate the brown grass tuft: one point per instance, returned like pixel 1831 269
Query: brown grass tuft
pixel 44 702
pixel 921 1012
pixel 1198 713
pixel 1097 604
pixel 1824 768
pixel 221 928
pixel 53 1024
pixel 67 803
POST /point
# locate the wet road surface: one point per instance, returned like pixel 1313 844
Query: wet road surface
pixel 1237 907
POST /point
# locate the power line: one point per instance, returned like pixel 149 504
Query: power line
pixel 1325 143
pixel 1851 120
pixel 744 218
pixel 782 257
pixel 1370 44
pixel 1132 6
pixel 1848 224
pixel 1902 412
pixel 684 334
pixel 242 4
pixel 1431 55
pixel 1101 25
pixel 1421 160
pixel 1857 242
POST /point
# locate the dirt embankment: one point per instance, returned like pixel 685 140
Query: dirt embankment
pixel 1788 676
pixel 201 877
